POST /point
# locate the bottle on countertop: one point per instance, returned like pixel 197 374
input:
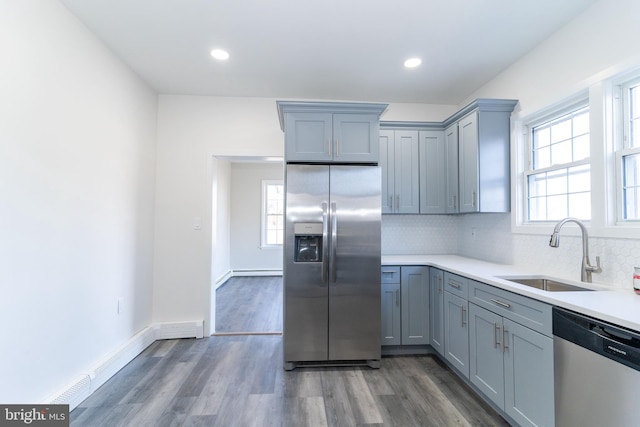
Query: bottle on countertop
pixel 636 280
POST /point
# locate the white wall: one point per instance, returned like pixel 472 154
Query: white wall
pixel 600 43
pixel 191 131
pixel 246 217
pixel 77 133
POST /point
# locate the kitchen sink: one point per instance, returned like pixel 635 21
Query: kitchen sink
pixel 544 283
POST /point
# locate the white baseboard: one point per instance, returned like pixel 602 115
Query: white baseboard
pixel 258 272
pixel 88 382
pixel 222 280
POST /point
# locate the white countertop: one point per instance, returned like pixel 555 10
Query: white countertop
pixel 621 307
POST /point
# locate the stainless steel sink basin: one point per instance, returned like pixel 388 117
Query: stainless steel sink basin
pixel 544 283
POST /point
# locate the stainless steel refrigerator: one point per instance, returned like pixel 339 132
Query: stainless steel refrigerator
pixel 332 265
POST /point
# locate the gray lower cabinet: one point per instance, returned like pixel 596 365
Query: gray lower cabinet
pixel 436 309
pixel 405 305
pixel 456 332
pixel 512 364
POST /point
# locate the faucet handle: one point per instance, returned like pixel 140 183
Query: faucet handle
pixel 596 268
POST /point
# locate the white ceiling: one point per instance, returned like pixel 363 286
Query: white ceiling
pixel 324 49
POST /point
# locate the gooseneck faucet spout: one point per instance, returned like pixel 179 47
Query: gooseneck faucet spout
pixel 587 268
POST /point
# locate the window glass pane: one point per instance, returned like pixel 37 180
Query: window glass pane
pixel 538 209
pixel 561 131
pixel 541 137
pixel 273 214
pixel 542 158
pixel 561 153
pixel 538 185
pixel 579 179
pixel 581 124
pixel 580 205
pixel 630 186
pixel 557 207
pixel 581 149
pixel 557 182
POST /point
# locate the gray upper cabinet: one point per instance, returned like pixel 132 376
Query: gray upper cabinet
pixel 432 172
pixel 400 164
pixel 331 132
pixel 483 157
pixel 451 168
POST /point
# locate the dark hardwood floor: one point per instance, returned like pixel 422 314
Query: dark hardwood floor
pixel 249 304
pixel 239 380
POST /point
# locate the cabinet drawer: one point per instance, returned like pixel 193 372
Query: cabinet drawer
pixel 456 285
pixel 390 274
pixel 533 314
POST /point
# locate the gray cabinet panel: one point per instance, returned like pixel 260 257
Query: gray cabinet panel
pixel 456 332
pixel 528 364
pixel 436 309
pixel 486 367
pixel 356 138
pixel 400 171
pixel 390 314
pixel 308 136
pixel 451 168
pixel 432 172
pixel 387 165
pixel 415 305
pixel 468 158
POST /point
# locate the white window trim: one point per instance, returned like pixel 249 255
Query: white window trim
pixel 263 214
pixel 606 191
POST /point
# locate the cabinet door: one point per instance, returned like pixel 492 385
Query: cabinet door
pixel 390 314
pixel 436 309
pixel 456 332
pixel 451 168
pixel 387 159
pixel 356 138
pixel 407 173
pixel 486 368
pixel 414 291
pixel 468 158
pixel 432 180
pixel 529 381
pixel 308 137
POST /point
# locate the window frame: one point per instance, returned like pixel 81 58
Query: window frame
pixel 550 114
pixel 263 214
pixel 622 124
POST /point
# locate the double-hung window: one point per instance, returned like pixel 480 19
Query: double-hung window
pixel 558 179
pixel 629 154
pixel 272 213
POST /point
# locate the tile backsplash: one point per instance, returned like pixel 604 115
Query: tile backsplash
pixel 489 237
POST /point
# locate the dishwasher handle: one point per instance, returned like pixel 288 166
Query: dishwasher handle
pixel 622 346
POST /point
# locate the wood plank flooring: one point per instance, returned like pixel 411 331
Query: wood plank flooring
pixel 249 304
pixel 239 381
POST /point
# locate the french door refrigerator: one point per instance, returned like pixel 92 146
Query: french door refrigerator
pixel 332 265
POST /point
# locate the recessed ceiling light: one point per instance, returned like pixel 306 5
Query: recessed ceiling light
pixel 220 54
pixel 412 62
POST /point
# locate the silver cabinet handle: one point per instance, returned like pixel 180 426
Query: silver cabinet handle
pixel 473 199
pixel 388 271
pixel 462 312
pixel 453 285
pixel 337 147
pixel 334 241
pixel 398 202
pixel 505 334
pixel 453 198
pixel 329 147
pixel 496 331
pixel 391 202
pixel 325 238
pixel 500 303
pixel 440 284
pixel 397 298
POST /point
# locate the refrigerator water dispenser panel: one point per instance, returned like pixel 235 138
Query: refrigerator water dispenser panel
pixel 308 242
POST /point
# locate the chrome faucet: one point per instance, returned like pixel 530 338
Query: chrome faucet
pixel 587 268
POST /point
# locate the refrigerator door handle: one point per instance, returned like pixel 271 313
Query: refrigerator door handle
pixel 325 238
pixel 334 242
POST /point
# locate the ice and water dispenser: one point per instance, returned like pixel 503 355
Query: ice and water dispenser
pixel 308 241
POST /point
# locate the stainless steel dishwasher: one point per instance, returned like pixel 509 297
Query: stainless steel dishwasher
pixel 597 372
